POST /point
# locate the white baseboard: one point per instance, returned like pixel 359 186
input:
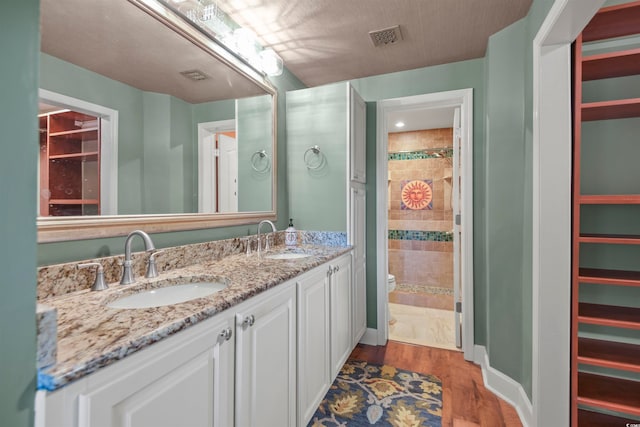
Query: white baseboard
pixel 504 387
pixel 370 337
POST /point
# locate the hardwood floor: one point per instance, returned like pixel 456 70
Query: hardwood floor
pixel 466 402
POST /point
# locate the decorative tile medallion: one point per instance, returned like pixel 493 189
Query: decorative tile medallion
pixel 417 194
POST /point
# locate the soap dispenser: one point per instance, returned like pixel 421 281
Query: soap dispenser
pixel 290 234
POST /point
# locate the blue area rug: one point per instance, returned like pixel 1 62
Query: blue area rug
pixel 372 395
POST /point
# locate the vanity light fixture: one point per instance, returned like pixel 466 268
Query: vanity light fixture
pixel 400 124
pixel 241 42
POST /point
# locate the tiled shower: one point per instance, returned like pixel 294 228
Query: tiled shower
pixel 420 223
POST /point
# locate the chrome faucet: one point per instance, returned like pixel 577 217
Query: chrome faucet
pixel 273 230
pixel 127 274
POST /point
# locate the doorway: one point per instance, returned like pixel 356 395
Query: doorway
pixel 441 178
pixel 73 150
pixel 422 194
pixel 217 167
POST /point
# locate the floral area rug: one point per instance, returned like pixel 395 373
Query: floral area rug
pixel 365 394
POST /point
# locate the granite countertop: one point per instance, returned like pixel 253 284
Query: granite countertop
pixel 91 335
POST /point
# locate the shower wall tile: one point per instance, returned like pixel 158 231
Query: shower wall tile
pixel 417 140
pixel 420 241
pixel 419 267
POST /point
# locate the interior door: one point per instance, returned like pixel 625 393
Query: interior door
pixel 228 173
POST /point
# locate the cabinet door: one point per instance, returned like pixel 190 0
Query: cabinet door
pixel 341 335
pixel 359 305
pixel 189 383
pixel 357 136
pixel 358 219
pixel 314 373
pixel 266 360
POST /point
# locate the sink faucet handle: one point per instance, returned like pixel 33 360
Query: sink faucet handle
pixel 152 268
pixel 267 247
pixel 98 284
pixel 248 244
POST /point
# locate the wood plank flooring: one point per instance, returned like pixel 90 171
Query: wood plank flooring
pixel 466 402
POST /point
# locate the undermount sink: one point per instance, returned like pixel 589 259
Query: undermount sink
pixel 287 255
pixel 168 295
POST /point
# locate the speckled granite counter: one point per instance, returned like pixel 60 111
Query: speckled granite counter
pixel 91 335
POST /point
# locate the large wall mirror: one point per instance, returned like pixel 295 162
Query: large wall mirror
pixel 147 122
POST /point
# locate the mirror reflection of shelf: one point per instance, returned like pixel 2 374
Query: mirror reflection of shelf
pixel 70 164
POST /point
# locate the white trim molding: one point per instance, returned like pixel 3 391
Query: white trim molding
pixel 505 387
pixel 462 98
pixel 551 240
pixel 370 337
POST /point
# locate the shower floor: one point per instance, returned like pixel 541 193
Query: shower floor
pixel 422 296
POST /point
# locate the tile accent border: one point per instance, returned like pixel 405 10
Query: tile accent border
pixel 439 153
pixel 424 236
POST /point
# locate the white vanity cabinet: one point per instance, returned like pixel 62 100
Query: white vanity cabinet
pixel 266 359
pixel 187 379
pixel 324 331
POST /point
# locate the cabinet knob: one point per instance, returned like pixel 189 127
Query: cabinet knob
pixel 336 268
pixel 226 334
pixel 330 271
pixel 249 320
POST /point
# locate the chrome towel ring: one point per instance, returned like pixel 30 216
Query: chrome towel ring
pixel 314 158
pixel 260 161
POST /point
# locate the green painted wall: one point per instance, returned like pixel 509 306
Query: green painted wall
pixel 254 126
pixel 19 44
pixel 505 200
pixel 318 197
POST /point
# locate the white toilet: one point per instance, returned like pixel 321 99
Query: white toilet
pixel 391 285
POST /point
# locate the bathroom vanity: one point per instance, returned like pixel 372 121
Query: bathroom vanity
pixel 262 351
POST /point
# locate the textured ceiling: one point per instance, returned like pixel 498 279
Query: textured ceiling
pixel 116 39
pixel 323 41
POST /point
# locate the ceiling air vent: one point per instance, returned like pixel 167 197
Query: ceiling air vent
pixel 195 75
pixel 386 36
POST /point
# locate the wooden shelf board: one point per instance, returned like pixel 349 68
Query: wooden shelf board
pixel 618 239
pixel 613 64
pixel 596 419
pixel 74 201
pixel 614 21
pixel 74 155
pixel 610 199
pixel 73 132
pixel 609 354
pixel 609 315
pixel 609 277
pixel 606 110
pixel 610 393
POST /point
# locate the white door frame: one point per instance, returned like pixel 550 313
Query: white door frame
pixel 458 98
pixel 206 165
pixel 551 240
pixel 108 144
